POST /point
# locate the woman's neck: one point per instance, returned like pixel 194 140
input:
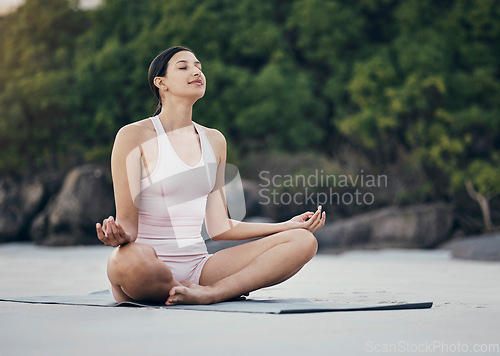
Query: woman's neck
pixel 176 116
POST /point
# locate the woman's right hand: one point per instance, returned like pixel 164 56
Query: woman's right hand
pixel 111 233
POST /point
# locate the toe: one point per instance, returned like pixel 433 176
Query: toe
pixel 172 300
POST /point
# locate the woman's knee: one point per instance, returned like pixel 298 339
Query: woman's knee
pixel 126 259
pixel 307 241
pixel 136 269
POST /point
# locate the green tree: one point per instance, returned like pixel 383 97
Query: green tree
pixel 432 92
pixel 256 94
pixel 409 83
pixel 37 85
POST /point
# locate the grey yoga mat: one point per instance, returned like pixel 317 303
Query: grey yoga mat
pixel 273 306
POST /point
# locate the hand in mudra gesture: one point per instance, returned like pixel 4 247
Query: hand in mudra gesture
pixel 308 220
pixel 111 233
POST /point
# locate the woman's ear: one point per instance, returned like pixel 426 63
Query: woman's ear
pixel 160 83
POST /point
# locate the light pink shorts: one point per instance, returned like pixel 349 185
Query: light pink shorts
pixel 188 268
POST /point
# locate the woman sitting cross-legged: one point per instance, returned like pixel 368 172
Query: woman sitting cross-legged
pixel 168 176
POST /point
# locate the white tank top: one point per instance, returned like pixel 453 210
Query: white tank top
pixel 173 199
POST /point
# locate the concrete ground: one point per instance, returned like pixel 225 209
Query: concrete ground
pixel 464 319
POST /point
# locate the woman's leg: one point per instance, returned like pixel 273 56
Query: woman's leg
pixel 136 273
pixel 250 266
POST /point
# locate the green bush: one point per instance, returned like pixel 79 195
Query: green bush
pixel 403 82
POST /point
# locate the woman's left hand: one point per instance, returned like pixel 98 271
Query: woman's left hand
pixel 308 220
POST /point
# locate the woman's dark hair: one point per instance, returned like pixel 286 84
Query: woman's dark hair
pixel 158 68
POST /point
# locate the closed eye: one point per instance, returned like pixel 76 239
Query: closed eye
pixel 183 68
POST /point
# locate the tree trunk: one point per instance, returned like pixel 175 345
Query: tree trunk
pixel 483 203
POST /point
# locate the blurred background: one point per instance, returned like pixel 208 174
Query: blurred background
pixel 405 89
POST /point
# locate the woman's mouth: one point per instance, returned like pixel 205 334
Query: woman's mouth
pixel 198 82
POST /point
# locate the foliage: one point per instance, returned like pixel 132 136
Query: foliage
pixel 397 80
pixel 434 90
pixel 37 84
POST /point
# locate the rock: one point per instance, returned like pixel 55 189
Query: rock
pixel 85 198
pixel 251 192
pixel 416 226
pixel 39 227
pixel 395 184
pixel 11 215
pixel 20 200
pixel 483 248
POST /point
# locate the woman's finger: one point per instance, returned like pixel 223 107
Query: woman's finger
pixel 100 233
pixel 113 227
pixel 107 227
pixel 314 226
pixel 112 236
pixel 107 239
pixel 315 219
pixel 306 216
pixel 320 223
pixel 309 223
pixel 107 230
pixel 312 216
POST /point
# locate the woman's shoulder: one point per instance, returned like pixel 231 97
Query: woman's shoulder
pixel 136 132
pixel 217 140
pixel 214 135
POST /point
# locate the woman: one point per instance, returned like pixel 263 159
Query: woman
pixel 168 175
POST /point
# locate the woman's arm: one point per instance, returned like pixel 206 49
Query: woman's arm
pixel 221 227
pixel 244 230
pixel 126 172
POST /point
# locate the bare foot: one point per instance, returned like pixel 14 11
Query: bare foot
pixel 190 293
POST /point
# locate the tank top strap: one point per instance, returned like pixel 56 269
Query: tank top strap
pixel 158 126
pixel 208 152
pixel 200 132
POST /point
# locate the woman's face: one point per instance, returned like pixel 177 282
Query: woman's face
pixel 184 76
